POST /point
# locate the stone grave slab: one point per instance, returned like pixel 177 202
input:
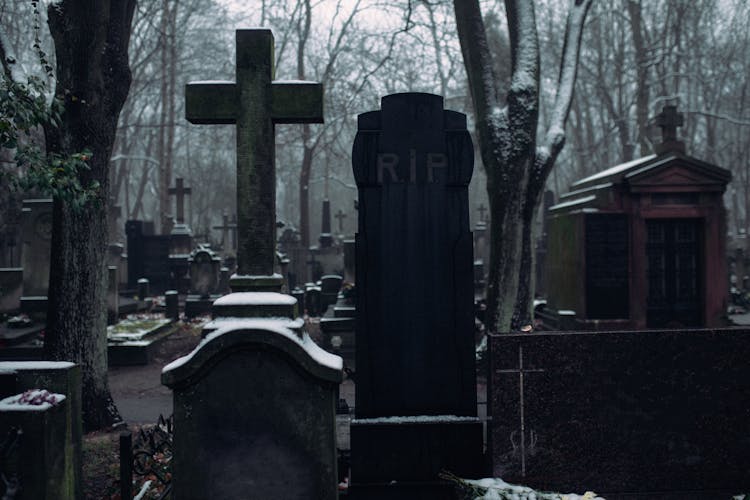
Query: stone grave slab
pixel 134 341
pixel 630 414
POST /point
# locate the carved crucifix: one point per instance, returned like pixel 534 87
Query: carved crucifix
pixel 225 227
pixel 180 191
pixel 340 215
pixel 255 103
pixel 521 371
pixel 669 119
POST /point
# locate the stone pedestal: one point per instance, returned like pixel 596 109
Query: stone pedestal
pixel 48 454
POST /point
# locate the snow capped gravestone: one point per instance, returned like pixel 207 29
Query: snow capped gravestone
pixel 254 410
pixel 40 425
pixel 414 328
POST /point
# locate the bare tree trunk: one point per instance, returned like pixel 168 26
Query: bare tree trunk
pixel 516 168
pixel 91 44
pixel 642 90
pixel 307 155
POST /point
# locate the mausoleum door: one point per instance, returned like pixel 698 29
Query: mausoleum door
pixel 674 265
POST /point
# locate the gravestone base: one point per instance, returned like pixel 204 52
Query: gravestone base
pixel 255 305
pixel 34 306
pixel 399 490
pixel 197 305
pixel 412 454
pixel 241 283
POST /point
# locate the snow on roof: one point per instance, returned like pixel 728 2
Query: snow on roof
pixel 31 400
pixel 320 356
pixel 595 187
pixel 614 170
pixel 415 419
pixel 294 82
pixel 571 203
pixel 255 299
pixel 34 365
pixel 211 82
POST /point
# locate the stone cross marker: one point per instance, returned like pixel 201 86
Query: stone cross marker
pixel 225 227
pixel 180 191
pixel 482 209
pixel 255 103
pixel 668 120
pixel 340 215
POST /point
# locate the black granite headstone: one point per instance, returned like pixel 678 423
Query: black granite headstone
pixel 636 414
pixel 414 328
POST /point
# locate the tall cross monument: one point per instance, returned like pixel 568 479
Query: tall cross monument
pixel 255 103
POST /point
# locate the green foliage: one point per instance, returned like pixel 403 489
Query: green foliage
pixel 23 112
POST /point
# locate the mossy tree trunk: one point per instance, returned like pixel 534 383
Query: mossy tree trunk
pixel 93 77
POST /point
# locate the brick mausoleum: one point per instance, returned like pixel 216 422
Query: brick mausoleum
pixel 642 244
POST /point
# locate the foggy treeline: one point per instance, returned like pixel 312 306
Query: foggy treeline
pixel 636 56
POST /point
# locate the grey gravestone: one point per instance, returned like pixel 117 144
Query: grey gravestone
pixel 37 237
pixel 11 287
pixel 172 304
pixel 272 438
pixel 226 247
pixel 414 327
pixel 312 299
pixel 113 303
pixel 148 256
pixel 204 272
pixel 255 103
pixel 635 414
pixel 330 285
pixel 325 238
pixel 204 282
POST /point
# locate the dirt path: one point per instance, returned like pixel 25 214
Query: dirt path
pixel 137 390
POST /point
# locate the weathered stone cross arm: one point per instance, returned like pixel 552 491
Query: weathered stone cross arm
pixel 218 102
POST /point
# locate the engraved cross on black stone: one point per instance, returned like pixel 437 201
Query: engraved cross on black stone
pixel 521 371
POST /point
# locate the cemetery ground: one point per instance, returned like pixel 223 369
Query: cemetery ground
pixel 140 398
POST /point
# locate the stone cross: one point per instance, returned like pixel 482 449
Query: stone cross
pixel 669 119
pixel 340 215
pixel 521 371
pixel 225 227
pixel 180 191
pixel 482 209
pixel 254 103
